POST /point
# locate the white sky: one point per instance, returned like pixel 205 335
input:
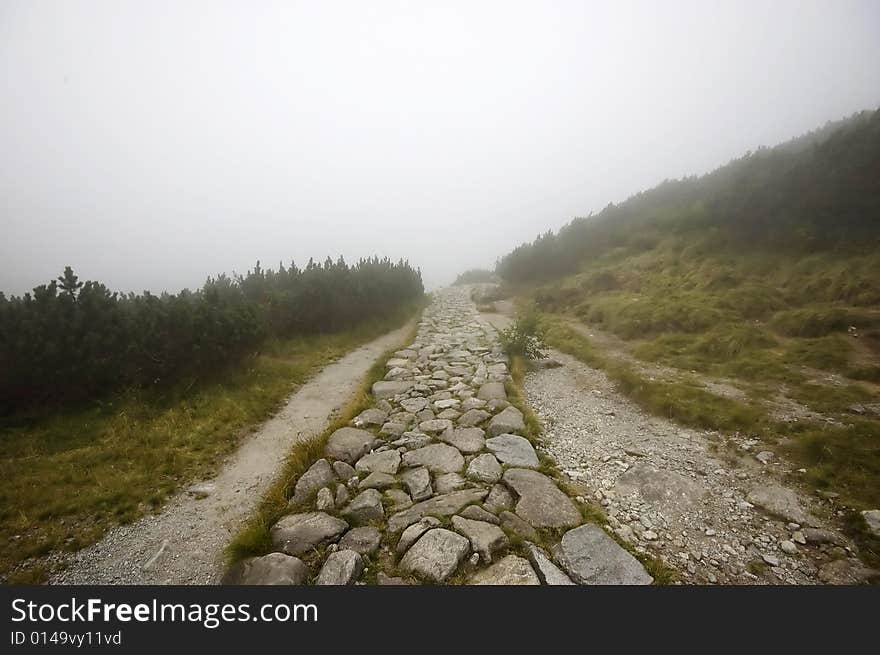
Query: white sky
pixel 149 144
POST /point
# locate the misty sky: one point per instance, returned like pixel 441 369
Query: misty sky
pixel 152 143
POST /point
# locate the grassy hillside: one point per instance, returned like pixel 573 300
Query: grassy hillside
pixel 747 299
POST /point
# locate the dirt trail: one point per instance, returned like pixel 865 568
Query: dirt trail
pixel 184 543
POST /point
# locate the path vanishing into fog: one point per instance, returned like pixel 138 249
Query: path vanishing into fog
pixel 184 543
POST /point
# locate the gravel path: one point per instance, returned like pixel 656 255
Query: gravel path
pixel 184 543
pixel 715 519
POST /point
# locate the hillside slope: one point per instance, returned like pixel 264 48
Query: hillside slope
pixel 745 300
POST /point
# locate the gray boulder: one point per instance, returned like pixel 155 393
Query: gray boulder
pixel 387 461
pixel 319 475
pixel 512 523
pixel 508 420
pixel 484 468
pixel 513 450
pixel 486 538
pixel 467 440
pixel 439 506
pixel 342 567
pixel 473 417
pixel 872 520
pixel 271 569
pixel 418 483
pixel 366 507
pixel 298 533
pixel 541 503
pixel 782 503
pixel 409 536
pixel 364 540
pixel 492 391
pixel 511 570
pixel 390 388
pixel 437 458
pixel 369 417
pixel 436 555
pixel 590 556
pixel 477 513
pixel 349 444
pixel 547 571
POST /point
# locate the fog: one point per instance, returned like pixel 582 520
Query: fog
pixel 150 144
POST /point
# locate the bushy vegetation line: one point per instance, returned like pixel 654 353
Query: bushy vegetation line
pixel 475 276
pixel 72 474
pixel 70 341
pixel 818 192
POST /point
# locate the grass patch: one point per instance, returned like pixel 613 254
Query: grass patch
pixel 71 476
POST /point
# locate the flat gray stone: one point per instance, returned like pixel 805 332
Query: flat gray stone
pixel 295 534
pixel 393 429
pixel 477 513
pixel 473 417
pixel 364 540
pixel 547 571
pixel 674 491
pixel 492 391
pixel 349 444
pixel 319 475
pixel 324 500
pixel 390 388
pixel 437 458
pixel 541 503
pixel 271 569
pixel 378 481
pixel 780 502
pixel 344 471
pixel 414 405
pixel 366 507
pixel 436 555
pixel 369 417
pixel 512 523
pixel 399 499
pixel 439 506
pixel 435 425
pixel 486 538
pixel 343 567
pixel 448 482
pixel 508 421
pixel 513 450
pixel 467 440
pixel 409 536
pixel 412 440
pixel 590 556
pixel 387 461
pixel 472 403
pixel 511 570
pixel 418 483
pixel 484 468
pixel 499 498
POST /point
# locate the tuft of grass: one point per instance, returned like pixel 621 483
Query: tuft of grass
pixel 71 476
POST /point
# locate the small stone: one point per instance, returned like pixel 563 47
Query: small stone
pixel 418 482
pixel 399 499
pixel 765 457
pixel 477 513
pixel 436 555
pixel 324 500
pixel 782 502
pixel 511 570
pixel 547 571
pixel 440 506
pixel 473 417
pixel 484 468
pixel 486 538
pixel 366 507
pixel 513 450
pixel 467 440
pixel 414 405
pixel 319 475
pixel 342 496
pixel 435 426
pixel 416 530
pixel 271 569
pixel 788 547
pixel 364 540
pixel 512 523
pixel 772 560
pixel 393 429
pixel 344 470
pixel 541 503
pixel 343 567
pixel 378 481
pixel 508 421
pixel 499 498
pixel 872 521
pixel 349 444
pixel 297 533
pixel 437 458
pixel 799 538
pixel 448 482
pixel 379 462
pixel 369 417
pixel 389 389
pixel 590 556
pixel 492 391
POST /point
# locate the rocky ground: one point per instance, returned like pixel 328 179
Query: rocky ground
pixel 716 519
pixel 437 483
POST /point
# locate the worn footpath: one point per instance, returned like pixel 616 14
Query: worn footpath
pixel 437 483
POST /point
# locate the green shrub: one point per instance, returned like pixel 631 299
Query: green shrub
pixel 524 337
